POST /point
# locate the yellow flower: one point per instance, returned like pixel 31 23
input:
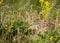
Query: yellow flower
pixel 1 1
pixel 51 38
pixel 47 3
pixel 41 0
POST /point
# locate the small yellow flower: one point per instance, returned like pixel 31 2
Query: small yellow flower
pixel 51 38
pixel 41 0
pixel 1 1
pixel 47 3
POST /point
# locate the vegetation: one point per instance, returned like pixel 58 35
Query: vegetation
pixel 29 21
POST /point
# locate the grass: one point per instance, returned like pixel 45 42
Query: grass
pixel 30 21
